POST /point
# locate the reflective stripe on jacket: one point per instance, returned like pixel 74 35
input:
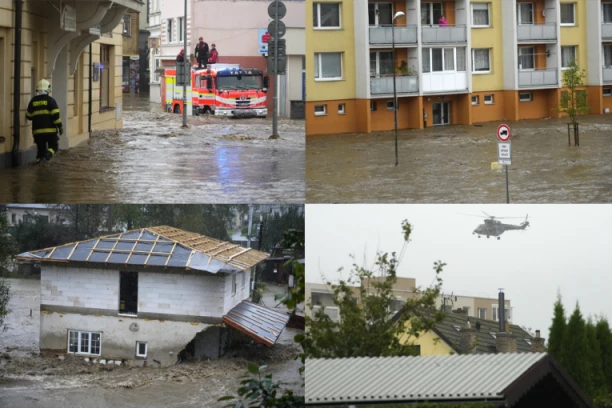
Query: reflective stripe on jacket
pixel 44 114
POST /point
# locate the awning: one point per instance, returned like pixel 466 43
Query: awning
pixel 263 324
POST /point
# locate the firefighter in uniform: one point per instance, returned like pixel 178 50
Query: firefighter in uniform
pixel 45 116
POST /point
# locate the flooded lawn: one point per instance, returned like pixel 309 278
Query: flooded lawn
pixel 453 165
pixel 152 159
pixel 27 380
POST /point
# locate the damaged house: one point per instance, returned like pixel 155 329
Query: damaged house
pixel 143 295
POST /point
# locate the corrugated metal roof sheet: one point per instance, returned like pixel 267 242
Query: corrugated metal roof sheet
pixel 263 324
pixel 157 246
pixel 378 379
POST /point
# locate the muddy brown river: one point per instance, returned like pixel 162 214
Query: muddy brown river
pixel 453 165
pixel 215 160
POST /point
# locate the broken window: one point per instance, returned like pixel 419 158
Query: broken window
pixel 141 349
pixel 80 342
pixel 233 284
pixel 128 293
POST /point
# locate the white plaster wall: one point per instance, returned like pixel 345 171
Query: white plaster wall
pixel 79 287
pixel 242 292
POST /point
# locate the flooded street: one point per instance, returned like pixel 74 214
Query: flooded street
pixel 27 379
pixel 152 159
pixel 453 165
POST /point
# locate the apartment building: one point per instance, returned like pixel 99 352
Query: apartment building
pixel 456 61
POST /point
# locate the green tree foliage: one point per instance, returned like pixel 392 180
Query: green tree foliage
pixel 36 232
pixel 599 386
pixel 557 331
pixel 274 226
pixel 574 100
pixel 366 328
pixel 604 338
pixel 7 242
pixel 575 353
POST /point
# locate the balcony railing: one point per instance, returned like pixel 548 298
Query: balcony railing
pixel 383 84
pixel 445 81
pixel 404 34
pixel 606 31
pixel 538 77
pixel 607 75
pixel 536 32
pixel 448 34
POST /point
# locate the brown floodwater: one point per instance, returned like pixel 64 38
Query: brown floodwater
pixel 453 165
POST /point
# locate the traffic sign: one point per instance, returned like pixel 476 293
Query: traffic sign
pixel 282 10
pixel 504 153
pixel 503 133
pixel 282 29
pixel 282 65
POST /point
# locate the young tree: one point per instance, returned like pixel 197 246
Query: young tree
pixel 598 378
pixel 573 101
pixel 367 328
pixel 575 352
pixel 557 331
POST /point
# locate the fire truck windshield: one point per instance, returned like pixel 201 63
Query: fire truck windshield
pixel 244 83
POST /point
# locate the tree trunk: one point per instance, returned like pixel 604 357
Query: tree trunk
pixel 576 134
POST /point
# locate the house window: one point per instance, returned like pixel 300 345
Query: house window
pixel 488 99
pixel 320 110
pixel 525 13
pixel 443 59
pixel 568 14
pixel 233 284
pixel 380 14
pixel 390 105
pixel 314 298
pixel 332 312
pixel 606 12
pixel 128 293
pixel 156 75
pixel 341 109
pixel 431 13
pixel 373 106
pixel 81 342
pixel 169 29
pixel 475 100
pixel 480 15
pixel 606 92
pixel 326 15
pixel 568 55
pixel 417 349
pixel 381 63
pixel 526 58
pixel 482 313
pixel 524 97
pixel 13 218
pixel 481 58
pixel 105 76
pixel 607 51
pixel 127 25
pixel 328 66
pixel 181 29
pixel 141 349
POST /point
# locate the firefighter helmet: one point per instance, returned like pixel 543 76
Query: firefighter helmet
pixel 43 86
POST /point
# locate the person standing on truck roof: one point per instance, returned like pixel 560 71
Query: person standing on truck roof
pixel 214 55
pixel 201 53
pixel 45 116
pixel 181 56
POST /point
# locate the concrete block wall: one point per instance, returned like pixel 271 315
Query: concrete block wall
pixel 193 295
pixel 79 287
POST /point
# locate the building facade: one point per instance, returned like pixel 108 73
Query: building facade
pixel 18 213
pixel 63 45
pixel 135 69
pixel 484 61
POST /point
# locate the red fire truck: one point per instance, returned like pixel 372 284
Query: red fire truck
pixel 220 89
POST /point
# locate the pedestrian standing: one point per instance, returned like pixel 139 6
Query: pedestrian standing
pixel 46 123
pixel 201 53
pixel 214 55
pixel 181 56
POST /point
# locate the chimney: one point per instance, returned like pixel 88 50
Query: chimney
pixel 537 343
pixel 467 338
pixel 501 311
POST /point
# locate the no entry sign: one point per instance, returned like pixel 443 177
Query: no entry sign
pixel 503 133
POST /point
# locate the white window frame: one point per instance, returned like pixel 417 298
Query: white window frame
pixel 484 309
pixel 518 13
pixel 608 94
pixel 491 102
pixel 341 109
pixel 532 57
pixel 455 66
pixel 180 28
pixel 430 8
pixel 320 113
pixel 507 311
pixel 603 5
pixel 169 30
pixel 376 4
pixel 146 349
pixel 488 15
pixel 127 25
pixel 525 100
pixel 318 11
pixel 473 64
pixel 80 333
pixel 318 60
pixel 476 101
pixel 377 70
pixel 392 107
pixel 575 55
pixel 315 309
pixel 573 14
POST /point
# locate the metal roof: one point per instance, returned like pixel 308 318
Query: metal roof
pixel 157 247
pixel 263 324
pixel 388 379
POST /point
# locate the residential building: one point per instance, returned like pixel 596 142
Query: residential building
pixel 135 51
pixel 490 61
pixel 18 213
pixel 63 42
pixel 144 295
pixel 154 49
pixel 522 380
pixel 241 39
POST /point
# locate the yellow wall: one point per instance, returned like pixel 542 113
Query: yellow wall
pixel 489 38
pixel 431 344
pixel 343 41
pixel 576 35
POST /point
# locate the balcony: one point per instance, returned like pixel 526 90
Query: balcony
pixel 437 82
pixel 606 31
pixel 546 77
pixel 444 35
pixel 607 75
pixel 546 32
pixel 404 34
pixel 383 84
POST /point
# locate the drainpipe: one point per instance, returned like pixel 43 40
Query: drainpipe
pixel 90 85
pixel 16 85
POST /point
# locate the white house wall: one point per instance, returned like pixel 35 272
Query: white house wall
pixel 242 292
pixel 79 288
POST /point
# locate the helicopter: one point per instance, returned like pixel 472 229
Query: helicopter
pixel 494 228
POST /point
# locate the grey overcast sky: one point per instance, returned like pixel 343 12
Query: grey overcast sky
pixel 566 248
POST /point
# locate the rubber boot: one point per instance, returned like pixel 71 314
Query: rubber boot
pixel 49 154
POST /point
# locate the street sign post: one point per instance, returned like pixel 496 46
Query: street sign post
pixel 272 30
pixel 503 133
pixel 504 152
pixel 276 29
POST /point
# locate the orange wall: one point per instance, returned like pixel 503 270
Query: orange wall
pixel 449 11
pixel 539 107
pixel 554 96
pixel 596 101
pixel 457 107
pixel 540 58
pixel 383 119
pixel 486 113
pixel 511 107
pixel 400 6
pixel 363 119
pixel 334 122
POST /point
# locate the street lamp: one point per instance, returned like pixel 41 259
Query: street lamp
pixel 397 15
